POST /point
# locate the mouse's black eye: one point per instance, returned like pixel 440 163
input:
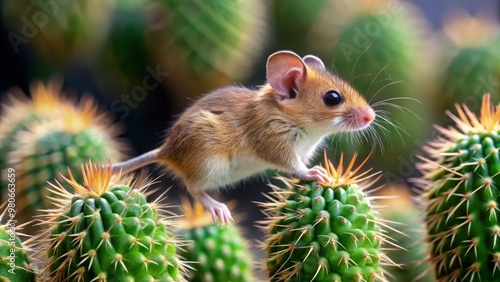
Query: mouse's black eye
pixel 332 98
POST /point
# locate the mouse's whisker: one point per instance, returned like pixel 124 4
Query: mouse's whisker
pixel 358 76
pixel 385 86
pixel 332 67
pixel 376 136
pixel 357 59
pixel 374 79
pixel 383 129
pixel 397 128
pixel 396 98
pixel 403 109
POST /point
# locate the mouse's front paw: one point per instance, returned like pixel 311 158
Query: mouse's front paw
pixel 316 173
pixel 220 211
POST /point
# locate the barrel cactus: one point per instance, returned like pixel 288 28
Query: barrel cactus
pixel 470 60
pixel 14 261
pixel 19 112
pixel 44 145
pixel 461 178
pixel 325 231
pixel 218 252
pixel 106 230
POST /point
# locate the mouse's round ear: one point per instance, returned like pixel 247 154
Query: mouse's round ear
pixel 285 73
pixel 314 62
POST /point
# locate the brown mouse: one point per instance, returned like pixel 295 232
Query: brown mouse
pixel 234 132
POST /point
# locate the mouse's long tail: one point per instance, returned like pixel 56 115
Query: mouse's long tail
pixel 135 163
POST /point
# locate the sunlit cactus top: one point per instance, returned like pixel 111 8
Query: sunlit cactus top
pixel 468 122
pixel 49 102
pixel 96 179
pixel 345 176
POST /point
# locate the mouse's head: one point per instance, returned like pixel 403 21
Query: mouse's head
pixel 315 97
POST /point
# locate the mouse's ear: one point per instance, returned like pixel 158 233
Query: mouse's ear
pixel 285 73
pixel 314 62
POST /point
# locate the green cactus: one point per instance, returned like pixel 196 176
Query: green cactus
pixel 461 181
pixel 377 46
pixel 218 253
pixel 325 231
pixel 47 143
pixel 207 44
pixel 19 113
pixel 471 62
pixel 106 230
pixel 409 233
pixel 50 148
pixel 14 262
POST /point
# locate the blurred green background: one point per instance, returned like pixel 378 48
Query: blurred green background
pixel 145 61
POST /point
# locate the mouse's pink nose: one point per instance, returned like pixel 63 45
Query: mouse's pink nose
pixel 369 116
pixel 363 117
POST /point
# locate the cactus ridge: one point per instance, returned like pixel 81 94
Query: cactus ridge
pixel 461 183
pixel 325 231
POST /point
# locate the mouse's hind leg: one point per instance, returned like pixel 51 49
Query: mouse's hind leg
pixel 217 209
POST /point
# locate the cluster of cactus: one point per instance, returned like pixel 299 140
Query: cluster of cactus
pixel 217 252
pixel 376 45
pixel 106 230
pixel 325 231
pixel 471 61
pixel 53 136
pixel 461 182
pixel 14 261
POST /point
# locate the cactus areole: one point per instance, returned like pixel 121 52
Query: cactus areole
pixel 461 182
pixel 325 231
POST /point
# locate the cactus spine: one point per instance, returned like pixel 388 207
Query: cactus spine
pixel 461 182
